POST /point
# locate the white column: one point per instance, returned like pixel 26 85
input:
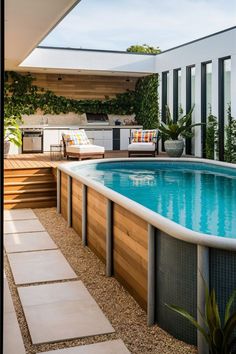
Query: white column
pixel 170 89
pixel 197 130
pixel 159 91
pixel 233 85
pixel 214 88
pixel 183 88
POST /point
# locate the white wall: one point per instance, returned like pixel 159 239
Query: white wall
pixel 209 49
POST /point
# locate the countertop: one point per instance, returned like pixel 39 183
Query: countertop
pixel 90 126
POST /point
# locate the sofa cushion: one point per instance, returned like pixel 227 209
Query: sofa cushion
pixel 143 136
pixel 88 148
pixel 76 137
pixel 141 147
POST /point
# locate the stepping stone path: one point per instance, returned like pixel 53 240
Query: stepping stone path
pixel 62 311
pixel 19 214
pixel 40 266
pixel 56 311
pixel 30 241
pixel 15 226
pixel 109 347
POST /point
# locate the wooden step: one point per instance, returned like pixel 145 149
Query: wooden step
pixel 28 171
pixel 19 187
pixel 29 185
pixel 26 177
pixel 29 193
pixel 39 202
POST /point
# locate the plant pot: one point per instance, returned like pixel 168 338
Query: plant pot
pixel 6 148
pixel 174 148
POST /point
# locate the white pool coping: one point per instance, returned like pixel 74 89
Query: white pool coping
pixel 160 222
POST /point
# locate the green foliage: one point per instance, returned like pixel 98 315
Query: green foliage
pixel 146 108
pixel 22 97
pixel 218 334
pixel 12 132
pixel 211 137
pixel 230 138
pixel 173 130
pixel 145 48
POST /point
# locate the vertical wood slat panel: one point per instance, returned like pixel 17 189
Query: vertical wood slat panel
pixel 77 206
pixel 130 237
pixel 96 223
pixel 64 196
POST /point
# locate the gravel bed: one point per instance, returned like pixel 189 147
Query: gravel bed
pixel 125 315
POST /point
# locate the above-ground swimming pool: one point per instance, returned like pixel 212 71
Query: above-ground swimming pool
pixel 201 197
pixel 159 225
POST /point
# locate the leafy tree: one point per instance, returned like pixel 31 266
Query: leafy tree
pixel 145 48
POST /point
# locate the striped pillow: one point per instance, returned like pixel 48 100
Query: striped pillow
pixel 143 136
pixel 76 137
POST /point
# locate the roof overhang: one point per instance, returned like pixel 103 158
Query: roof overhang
pixel 74 61
pixel 27 22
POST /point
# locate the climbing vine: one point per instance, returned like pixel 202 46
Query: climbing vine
pixel 21 96
pixel 147 110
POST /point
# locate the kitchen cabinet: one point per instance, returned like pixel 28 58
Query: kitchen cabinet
pixel 110 138
pixel 50 137
pixel 124 138
pixel 101 137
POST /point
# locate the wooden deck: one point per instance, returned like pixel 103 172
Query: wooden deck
pixel 30 179
pixel 23 161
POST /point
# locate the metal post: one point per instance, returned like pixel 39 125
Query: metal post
pixel 109 240
pixel 58 191
pixel 84 215
pixel 202 281
pixel 151 276
pixel 69 201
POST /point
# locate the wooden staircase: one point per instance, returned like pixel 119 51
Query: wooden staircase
pixel 29 188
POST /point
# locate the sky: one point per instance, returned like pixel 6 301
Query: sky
pixel 117 24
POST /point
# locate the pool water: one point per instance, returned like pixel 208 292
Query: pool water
pixel 199 196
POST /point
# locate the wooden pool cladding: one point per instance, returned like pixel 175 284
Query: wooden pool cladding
pixel 129 234
pixel 156 267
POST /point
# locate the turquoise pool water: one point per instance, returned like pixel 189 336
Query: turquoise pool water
pixel 199 196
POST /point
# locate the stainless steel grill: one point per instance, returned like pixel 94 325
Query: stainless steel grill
pixel 32 140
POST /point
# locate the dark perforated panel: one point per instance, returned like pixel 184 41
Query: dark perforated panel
pixel 176 284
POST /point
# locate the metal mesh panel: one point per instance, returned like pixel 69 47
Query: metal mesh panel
pixel 223 277
pixel 176 269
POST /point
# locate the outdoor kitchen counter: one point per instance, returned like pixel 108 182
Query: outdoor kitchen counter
pixel 87 126
pixel 111 137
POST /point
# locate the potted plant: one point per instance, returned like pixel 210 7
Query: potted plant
pixel 12 133
pixel 174 132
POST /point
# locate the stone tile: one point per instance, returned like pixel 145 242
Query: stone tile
pixel 13 342
pixel 41 266
pixel 30 241
pixel 19 214
pixel 60 311
pixel 109 347
pixel 17 226
pixel 8 304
